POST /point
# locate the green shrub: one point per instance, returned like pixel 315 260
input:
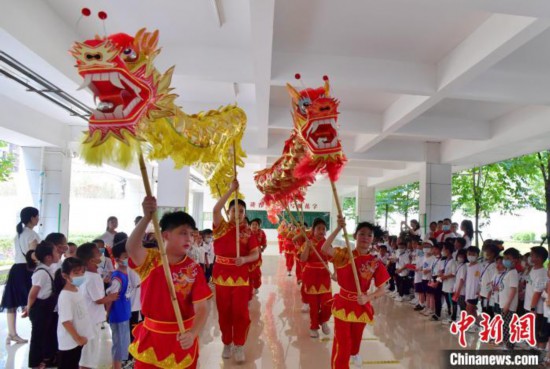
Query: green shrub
pixel 524 236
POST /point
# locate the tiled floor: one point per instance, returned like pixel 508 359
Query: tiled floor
pixel 279 335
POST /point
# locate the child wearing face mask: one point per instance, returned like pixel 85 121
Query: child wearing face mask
pixel 106 267
pixel 74 328
pixel 403 258
pixel 473 282
pixel 447 277
pixel 95 300
pixel 487 274
pixel 120 309
pixel 459 288
pixel 508 291
pixel 208 247
pixel 534 302
pixel 429 259
pixel 419 289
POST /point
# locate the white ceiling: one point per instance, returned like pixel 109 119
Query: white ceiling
pixel 470 75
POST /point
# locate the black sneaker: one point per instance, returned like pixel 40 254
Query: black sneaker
pixel 434 318
pixel 418 307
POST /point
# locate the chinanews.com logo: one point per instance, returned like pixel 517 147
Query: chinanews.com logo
pixel 520 329
pixel 510 330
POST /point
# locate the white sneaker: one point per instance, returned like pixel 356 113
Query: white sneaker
pixel 446 321
pixel 325 328
pixel 357 360
pixel 413 301
pixel 227 351
pixel 472 329
pixel 314 333
pixel 427 312
pixel 305 308
pixel 239 354
pixel 399 299
pixel 256 291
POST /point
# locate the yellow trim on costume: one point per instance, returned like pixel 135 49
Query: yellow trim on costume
pixel 351 317
pixel 221 229
pixel 152 260
pixel 230 282
pixel 314 291
pixel 149 356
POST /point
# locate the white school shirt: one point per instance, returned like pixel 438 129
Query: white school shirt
pixel 473 280
pixel 72 308
pixel 487 274
pixel 92 290
pixel 495 288
pixel 108 238
pixel 41 278
pixel 201 252
pixel 468 241
pixel 536 282
pixel 426 265
pixel 510 280
pixel 460 275
pixel 209 250
pixel 134 289
pixel 402 260
pixel 436 266
pixel 443 236
pixel 21 244
pixel 418 262
pixel 106 267
pixel 450 268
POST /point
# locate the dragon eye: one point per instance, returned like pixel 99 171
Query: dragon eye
pixel 129 54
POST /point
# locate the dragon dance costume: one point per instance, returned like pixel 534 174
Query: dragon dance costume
pixel 350 318
pixel 155 344
pixel 232 281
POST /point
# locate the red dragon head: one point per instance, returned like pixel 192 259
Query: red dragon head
pixel 315 114
pixel 119 71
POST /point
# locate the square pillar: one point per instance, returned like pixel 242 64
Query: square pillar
pixel 366 204
pixel 172 187
pixel 435 188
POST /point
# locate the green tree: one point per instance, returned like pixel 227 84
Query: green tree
pixel 401 199
pixel 7 161
pixel 504 187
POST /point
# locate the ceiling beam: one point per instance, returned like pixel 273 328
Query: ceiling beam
pixel 496 38
pixel 262 14
pixel 363 73
pixel 444 128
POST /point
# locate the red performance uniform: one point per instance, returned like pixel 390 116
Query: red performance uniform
pixel 290 250
pixel 232 281
pixel 155 339
pixel 299 264
pixel 317 286
pixel 281 234
pixel 255 267
pixel 350 318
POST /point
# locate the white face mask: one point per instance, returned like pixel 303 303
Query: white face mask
pixel 472 258
pixel 445 253
pixel 426 250
pixel 460 260
pixel 529 261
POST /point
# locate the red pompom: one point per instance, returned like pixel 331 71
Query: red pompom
pixel 102 15
pixel 86 12
pixel 325 78
pixel 297 76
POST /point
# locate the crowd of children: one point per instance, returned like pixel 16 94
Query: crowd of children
pixel 74 291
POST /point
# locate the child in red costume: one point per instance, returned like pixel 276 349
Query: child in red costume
pixel 290 248
pixel 231 275
pixel 281 234
pixel 157 342
pixel 352 310
pixel 316 280
pixel 255 268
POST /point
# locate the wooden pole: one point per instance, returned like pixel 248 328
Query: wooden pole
pixel 162 248
pixel 237 212
pixel 224 208
pixel 353 266
pixel 305 236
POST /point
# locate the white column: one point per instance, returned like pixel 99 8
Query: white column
pixel 366 204
pixel 435 188
pixel 172 187
pixel 197 208
pixel 49 179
